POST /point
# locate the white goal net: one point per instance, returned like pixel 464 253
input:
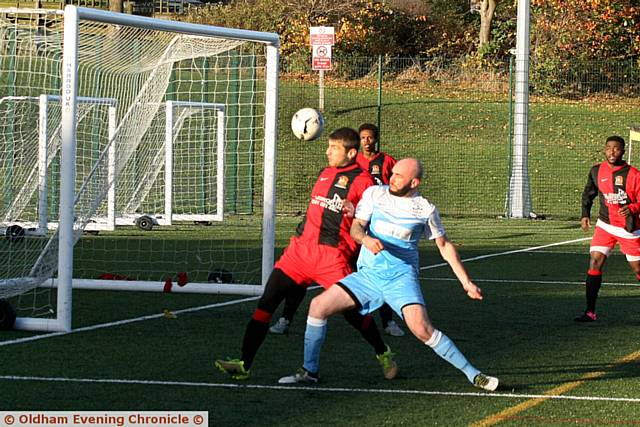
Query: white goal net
pixel 156 137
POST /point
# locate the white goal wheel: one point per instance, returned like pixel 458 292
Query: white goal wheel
pixel 144 223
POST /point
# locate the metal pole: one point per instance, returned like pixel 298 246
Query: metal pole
pixel 379 99
pixel 67 166
pixel 510 135
pixel 321 91
pixel 168 163
pixel 519 190
pixel 269 173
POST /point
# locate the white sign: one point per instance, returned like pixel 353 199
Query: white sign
pixel 322 35
pixel 321 58
pixel 322 39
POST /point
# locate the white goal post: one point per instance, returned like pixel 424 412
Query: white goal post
pixel 137 66
pixel 48 135
pixel 169 216
pixel 176 114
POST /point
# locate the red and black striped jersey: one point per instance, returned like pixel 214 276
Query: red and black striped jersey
pixel 615 186
pixel 324 222
pixel 379 166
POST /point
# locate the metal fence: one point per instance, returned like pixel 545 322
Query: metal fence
pixel 458 120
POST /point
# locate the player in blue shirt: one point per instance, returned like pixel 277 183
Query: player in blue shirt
pixel 389 222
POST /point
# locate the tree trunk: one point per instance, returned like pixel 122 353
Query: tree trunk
pixel 487 8
pixel 115 5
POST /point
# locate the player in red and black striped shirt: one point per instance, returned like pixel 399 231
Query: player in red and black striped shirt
pixel 320 252
pixel 617 185
pixel 379 165
pixel 370 158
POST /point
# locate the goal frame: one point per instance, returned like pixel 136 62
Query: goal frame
pixel 39 171
pixel 72 16
pixel 169 216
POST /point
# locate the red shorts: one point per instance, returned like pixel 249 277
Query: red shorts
pixel 604 242
pixel 313 263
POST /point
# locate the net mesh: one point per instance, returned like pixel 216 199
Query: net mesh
pixel 194 130
pixel 141 69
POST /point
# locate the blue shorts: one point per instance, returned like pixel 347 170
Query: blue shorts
pixel 371 290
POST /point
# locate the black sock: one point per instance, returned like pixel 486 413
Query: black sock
pixel 295 296
pixel 254 336
pixel 276 290
pixel 367 328
pixel 385 315
pixel 593 283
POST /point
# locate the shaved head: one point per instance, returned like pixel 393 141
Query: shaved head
pixel 411 167
pixel 407 174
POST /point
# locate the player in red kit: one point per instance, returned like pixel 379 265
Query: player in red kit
pixel 370 158
pixel 379 164
pixel 320 252
pixel 617 185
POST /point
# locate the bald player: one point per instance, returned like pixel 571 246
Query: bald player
pixel 389 222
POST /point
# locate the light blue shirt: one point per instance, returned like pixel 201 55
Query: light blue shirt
pixel 398 222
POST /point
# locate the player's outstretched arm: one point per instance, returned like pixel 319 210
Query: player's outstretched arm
pixel 450 254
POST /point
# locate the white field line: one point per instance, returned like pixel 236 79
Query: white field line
pixel 126 321
pixel 239 301
pixel 567 252
pixel 515 251
pixel 542 282
pixel 314 388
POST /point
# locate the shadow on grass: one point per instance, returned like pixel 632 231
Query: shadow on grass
pixel 342 111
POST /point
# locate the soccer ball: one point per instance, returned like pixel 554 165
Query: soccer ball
pixel 307 124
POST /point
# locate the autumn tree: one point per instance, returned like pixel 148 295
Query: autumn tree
pixel 115 5
pixel 486 10
pixel 362 27
pixel 586 29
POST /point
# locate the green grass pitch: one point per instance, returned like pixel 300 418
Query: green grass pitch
pixel 522 332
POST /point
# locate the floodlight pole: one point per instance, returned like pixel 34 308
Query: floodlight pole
pixel 519 199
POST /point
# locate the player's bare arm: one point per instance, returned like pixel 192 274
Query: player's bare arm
pixel 359 234
pixel 585 223
pixel 450 254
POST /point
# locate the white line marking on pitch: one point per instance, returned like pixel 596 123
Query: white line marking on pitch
pixel 539 282
pixel 238 301
pixel 317 389
pixel 515 251
pixel 126 321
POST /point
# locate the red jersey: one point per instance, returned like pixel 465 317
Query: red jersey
pixel 324 222
pixel 615 186
pixel 379 166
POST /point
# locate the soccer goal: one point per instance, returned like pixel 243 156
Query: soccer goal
pixel 41 144
pixel 143 117
pixel 190 164
pixel 193 182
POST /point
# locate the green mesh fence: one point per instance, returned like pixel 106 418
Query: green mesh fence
pixel 457 120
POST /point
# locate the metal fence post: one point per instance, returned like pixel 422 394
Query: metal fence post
pixel 379 98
